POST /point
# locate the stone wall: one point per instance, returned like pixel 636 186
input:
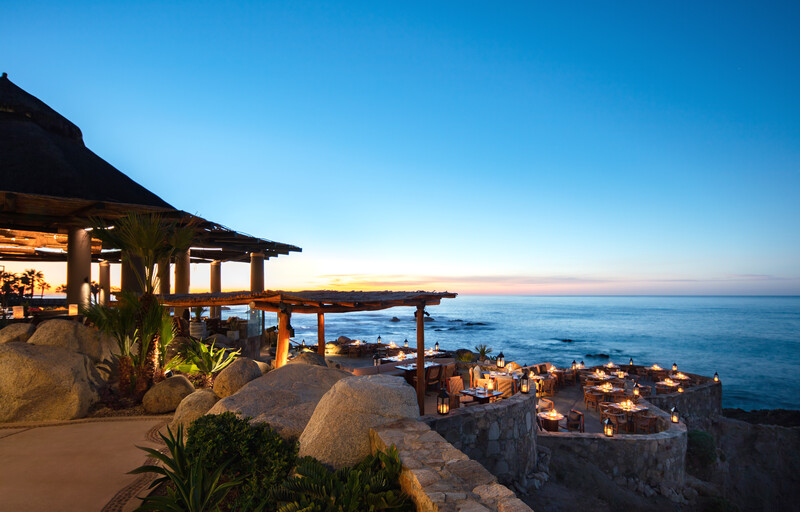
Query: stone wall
pixel 646 464
pixel 501 436
pixel 437 476
pixel 697 405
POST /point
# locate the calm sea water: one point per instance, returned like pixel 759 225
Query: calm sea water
pixel 753 342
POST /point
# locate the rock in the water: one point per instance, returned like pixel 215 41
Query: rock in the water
pixel 394 319
pixel 235 376
pixel 308 358
pixel 74 337
pixel 44 383
pixel 285 398
pixel 600 355
pixel 338 432
pixel 16 333
pixel 343 340
pixel 192 407
pixel 166 395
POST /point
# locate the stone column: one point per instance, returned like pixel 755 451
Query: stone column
pixel 257 271
pixel 163 277
pixel 79 265
pixel 182 271
pixel 105 283
pixel 131 274
pixel 216 287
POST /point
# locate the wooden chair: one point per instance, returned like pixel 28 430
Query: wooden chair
pixel 447 372
pixel 617 397
pixel 433 377
pixel 548 387
pixel 645 390
pixel 545 405
pixel 591 398
pixel 454 385
pixel 506 386
pixel 482 383
pixel 575 421
pixel 474 375
pixel 618 419
pixel 644 424
pixel 661 389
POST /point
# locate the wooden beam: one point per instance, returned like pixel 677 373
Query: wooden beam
pixel 282 351
pixel 321 333
pixel 421 384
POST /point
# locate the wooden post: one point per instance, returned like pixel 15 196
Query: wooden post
pixel 321 334
pixel 282 351
pixel 421 358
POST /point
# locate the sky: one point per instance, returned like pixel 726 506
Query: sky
pixel 474 147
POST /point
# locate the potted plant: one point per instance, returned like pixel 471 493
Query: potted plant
pixel 197 327
pixel 233 328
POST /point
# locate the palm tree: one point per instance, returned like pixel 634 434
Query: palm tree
pixel 150 239
pixel 43 287
pixel 31 278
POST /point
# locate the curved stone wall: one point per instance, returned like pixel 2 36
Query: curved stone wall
pixel 696 405
pixel 501 436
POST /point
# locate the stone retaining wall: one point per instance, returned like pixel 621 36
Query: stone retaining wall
pixel 437 476
pixel 696 405
pixel 501 436
pixel 647 464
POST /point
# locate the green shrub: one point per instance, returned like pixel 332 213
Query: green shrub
pixel 259 455
pixel 194 487
pixel 701 448
pixel 371 485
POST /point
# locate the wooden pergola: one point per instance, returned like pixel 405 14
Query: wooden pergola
pixel 284 303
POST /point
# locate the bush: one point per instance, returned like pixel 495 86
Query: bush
pixel 257 454
pixel 701 448
pixel 371 485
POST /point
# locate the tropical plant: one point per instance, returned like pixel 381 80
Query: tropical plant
pixel 257 453
pixel 370 485
pixel 195 488
pixel 198 358
pixel 43 287
pixel 483 351
pixel 465 357
pixel 149 239
pixel 198 312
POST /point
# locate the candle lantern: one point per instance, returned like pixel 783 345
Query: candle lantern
pixel 716 377
pixel 608 428
pixel 436 346
pixel 574 365
pixel 673 413
pixel 501 360
pixel 674 367
pixel 376 360
pixel 680 389
pixel 525 383
pixel 581 365
pixel 443 402
pixel 379 340
pixel 630 363
pixel 405 343
pixel 304 343
pixel 490 385
pixel 636 390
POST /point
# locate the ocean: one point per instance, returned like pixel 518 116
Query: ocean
pixel 753 342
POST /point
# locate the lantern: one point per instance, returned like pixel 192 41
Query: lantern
pixel 674 367
pixel 405 343
pixel 716 377
pixel 630 363
pixel 501 360
pixel 525 383
pixel 581 365
pixel 376 360
pixel 636 390
pixel 443 402
pixel 608 428
pixel 673 413
pixel 304 343
pixel 436 346
pixel 490 385
pixel 379 340
pixel 574 365
pixel 680 389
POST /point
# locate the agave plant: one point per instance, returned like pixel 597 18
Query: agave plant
pixel 194 487
pixel 198 358
pixel 371 485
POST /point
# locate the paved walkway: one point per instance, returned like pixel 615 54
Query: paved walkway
pixel 79 465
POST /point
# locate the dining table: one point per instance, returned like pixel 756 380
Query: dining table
pixel 413 366
pixel 481 395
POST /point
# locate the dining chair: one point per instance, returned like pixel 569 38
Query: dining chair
pixel 505 385
pixel 454 386
pixel 447 372
pixel 432 377
pixel 475 374
pixel 575 421
pixel 644 423
pixel 548 387
pixel 545 405
pixel 591 398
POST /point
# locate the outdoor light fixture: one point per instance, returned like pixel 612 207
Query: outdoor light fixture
pixel 490 386
pixel 608 428
pixel 630 363
pixel 376 360
pixel 304 343
pixel 524 383
pixel 436 346
pixel 501 360
pixel 574 365
pixel 582 365
pixel 680 389
pixel 405 343
pixel 673 413
pixel 636 390
pixel 716 377
pixel 443 402
pixel 674 367
pixel 379 340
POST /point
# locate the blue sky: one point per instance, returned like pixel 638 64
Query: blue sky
pixel 481 148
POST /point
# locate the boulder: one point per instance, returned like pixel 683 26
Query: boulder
pixel 308 358
pixel 74 337
pixel 235 376
pixel 16 333
pixel 335 349
pixel 338 432
pixel 174 348
pixel 39 383
pixel 285 398
pixel 264 366
pixel 220 340
pixel 342 340
pixel 192 407
pixel 166 395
